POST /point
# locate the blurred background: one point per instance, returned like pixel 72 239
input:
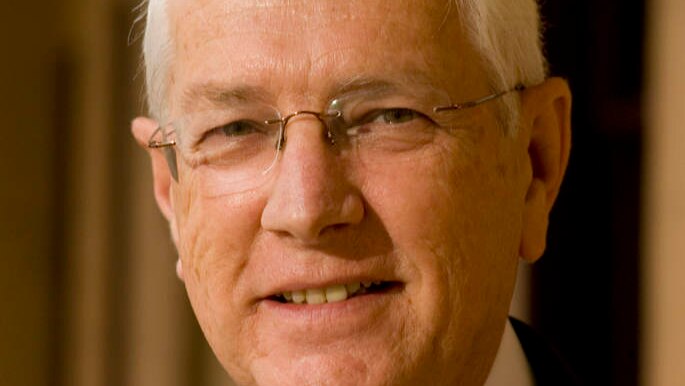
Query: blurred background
pixel 89 294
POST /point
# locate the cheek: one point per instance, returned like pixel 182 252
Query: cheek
pixel 454 221
pixel 216 235
pixel 215 229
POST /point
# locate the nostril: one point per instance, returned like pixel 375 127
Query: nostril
pixel 313 212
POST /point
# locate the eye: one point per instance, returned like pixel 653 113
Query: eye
pixel 235 129
pixel 380 120
pixel 396 116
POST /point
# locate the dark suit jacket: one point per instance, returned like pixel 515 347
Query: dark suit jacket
pixel 548 368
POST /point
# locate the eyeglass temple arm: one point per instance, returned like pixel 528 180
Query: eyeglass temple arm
pixel 468 105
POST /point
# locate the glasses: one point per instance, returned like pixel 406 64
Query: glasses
pixel 240 145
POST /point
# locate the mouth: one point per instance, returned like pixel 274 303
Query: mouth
pixel 335 293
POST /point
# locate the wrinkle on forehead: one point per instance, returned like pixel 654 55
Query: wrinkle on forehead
pixel 311 13
pixel 288 20
pixel 296 40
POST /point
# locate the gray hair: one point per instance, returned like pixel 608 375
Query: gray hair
pixel 158 55
pixel 505 33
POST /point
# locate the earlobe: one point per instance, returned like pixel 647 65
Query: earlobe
pixel 546 120
pixel 179 269
pixel 535 221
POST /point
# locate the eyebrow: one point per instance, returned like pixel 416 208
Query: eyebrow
pixel 218 95
pixel 359 83
pixel 413 79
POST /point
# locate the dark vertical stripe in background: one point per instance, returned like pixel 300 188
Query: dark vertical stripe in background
pixel 118 294
pixel 61 138
pixel 586 287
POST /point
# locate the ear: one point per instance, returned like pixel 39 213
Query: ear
pixel 546 119
pixel 142 129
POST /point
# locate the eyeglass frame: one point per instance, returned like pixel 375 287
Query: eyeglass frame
pixel 172 159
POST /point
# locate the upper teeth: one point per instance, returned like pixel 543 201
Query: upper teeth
pixel 332 294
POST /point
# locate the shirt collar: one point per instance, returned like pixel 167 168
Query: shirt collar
pixel 511 366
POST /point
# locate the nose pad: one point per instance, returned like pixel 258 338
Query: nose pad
pixel 321 117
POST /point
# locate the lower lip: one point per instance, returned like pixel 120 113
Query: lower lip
pixel 340 317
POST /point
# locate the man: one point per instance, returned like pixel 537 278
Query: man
pixel 351 184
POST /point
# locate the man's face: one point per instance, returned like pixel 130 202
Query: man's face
pixel 441 233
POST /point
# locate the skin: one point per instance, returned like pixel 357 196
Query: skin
pixel 450 226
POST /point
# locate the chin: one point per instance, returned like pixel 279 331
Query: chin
pixel 330 369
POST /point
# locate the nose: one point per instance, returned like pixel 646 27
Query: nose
pixel 312 193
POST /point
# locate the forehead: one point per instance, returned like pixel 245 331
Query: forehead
pixel 303 47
